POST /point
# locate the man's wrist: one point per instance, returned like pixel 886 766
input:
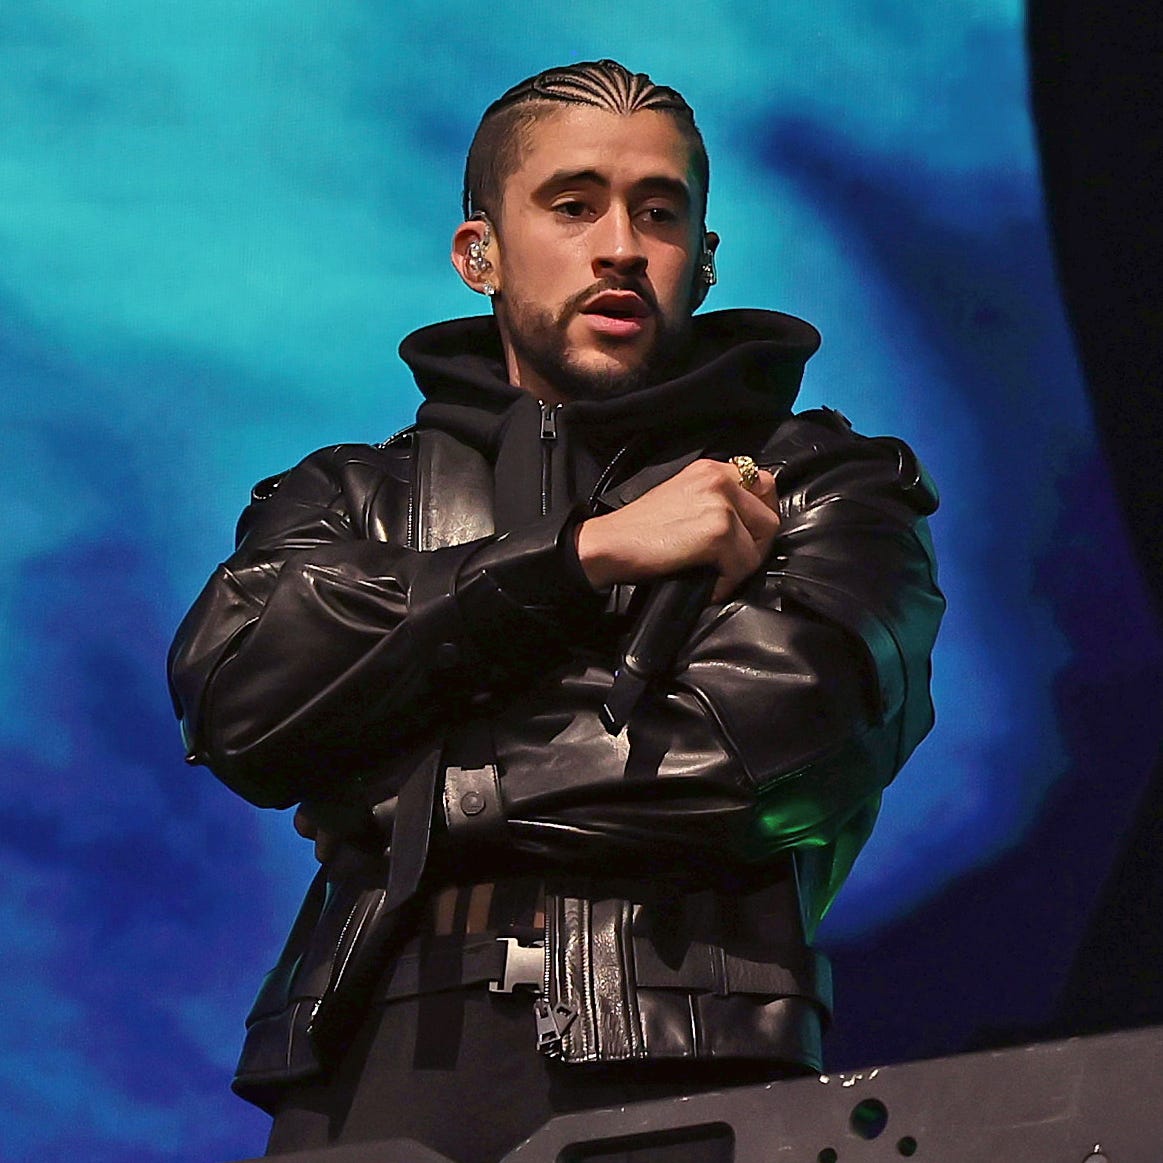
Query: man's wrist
pixel 534 566
pixel 593 557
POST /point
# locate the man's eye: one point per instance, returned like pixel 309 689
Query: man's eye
pixel 571 209
pixel 660 215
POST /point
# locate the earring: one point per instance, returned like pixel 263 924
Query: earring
pixel 707 268
pixel 488 288
pixel 477 263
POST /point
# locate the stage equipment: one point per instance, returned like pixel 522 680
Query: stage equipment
pixel 1080 1100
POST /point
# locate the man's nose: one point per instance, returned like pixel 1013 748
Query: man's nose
pixel 618 248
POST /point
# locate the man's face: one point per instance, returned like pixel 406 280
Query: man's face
pixel 598 242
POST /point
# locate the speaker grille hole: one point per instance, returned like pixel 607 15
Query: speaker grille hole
pixel 868 1118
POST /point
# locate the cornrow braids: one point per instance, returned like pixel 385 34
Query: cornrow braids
pixel 496 146
pixel 603 84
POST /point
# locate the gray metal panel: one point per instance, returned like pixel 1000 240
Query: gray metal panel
pixel 1081 1100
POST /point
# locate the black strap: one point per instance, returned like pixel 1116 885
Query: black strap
pixel 448 964
pixel 410 831
pixel 452 963
pixel 432 965
pixel 451 483
pixel 710 969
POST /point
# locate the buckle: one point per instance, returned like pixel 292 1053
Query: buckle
pixel 524 967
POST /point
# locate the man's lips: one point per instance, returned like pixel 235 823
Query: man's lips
pixel 618 305
pixel 620 314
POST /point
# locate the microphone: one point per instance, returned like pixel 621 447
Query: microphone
pixel 667 619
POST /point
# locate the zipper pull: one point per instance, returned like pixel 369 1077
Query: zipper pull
pixel 549 420
pixel 552 1024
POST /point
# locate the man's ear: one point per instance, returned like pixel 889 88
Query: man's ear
pixel 475 255
pixel 705 275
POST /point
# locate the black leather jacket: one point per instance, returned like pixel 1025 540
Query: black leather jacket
pixel 393 612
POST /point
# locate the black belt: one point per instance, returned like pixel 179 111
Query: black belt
pixel 503 962
pixel 508 966
pixel 711 969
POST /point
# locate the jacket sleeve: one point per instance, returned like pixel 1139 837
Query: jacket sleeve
pixel 795 702
pixel 322 646
pixel 818 678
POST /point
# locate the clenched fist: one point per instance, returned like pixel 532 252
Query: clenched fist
pixel 701 516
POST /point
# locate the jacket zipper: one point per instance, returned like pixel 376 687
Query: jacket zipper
pixel 548 439
pixel 607 475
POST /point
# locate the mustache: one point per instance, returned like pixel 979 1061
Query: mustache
pixel 575 303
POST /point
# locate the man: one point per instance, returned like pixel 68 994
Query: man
pixel 417 641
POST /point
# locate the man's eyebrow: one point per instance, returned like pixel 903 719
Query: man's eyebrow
pixel 563 179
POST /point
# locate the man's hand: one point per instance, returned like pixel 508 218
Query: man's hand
pixel 326 843
pixel 333 825
pixel 701 516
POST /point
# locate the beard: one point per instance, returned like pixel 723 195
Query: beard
pixel 539 339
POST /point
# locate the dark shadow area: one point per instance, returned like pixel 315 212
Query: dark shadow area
pixel 1097 91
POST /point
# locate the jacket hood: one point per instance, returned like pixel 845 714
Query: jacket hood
pixel 740 366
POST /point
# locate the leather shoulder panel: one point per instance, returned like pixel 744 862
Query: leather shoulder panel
pixel 452 494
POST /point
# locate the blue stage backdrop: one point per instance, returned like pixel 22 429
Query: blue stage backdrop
pixel 216 222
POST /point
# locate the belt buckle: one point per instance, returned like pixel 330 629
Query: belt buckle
pixel 524 967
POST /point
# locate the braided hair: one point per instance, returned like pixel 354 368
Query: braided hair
pixel 503 131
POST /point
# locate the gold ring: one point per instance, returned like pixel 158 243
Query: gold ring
pixel 748 471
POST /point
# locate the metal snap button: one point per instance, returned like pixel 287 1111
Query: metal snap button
pixel 472 803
